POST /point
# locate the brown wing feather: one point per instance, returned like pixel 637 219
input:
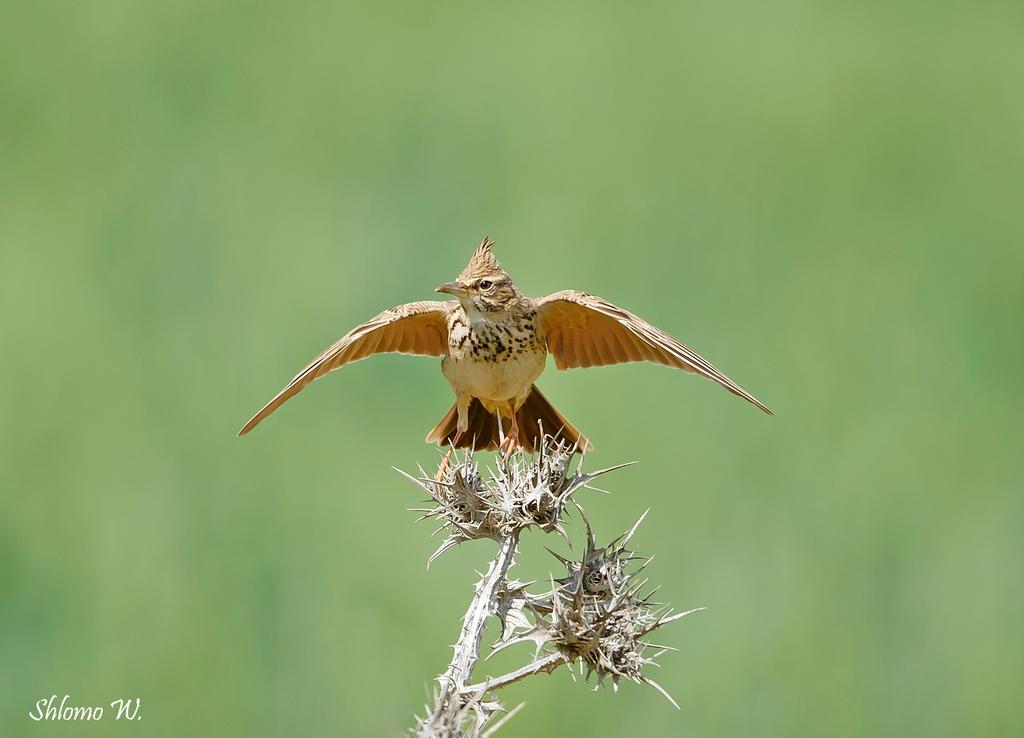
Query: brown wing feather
pixel 415 328
pixel 585 330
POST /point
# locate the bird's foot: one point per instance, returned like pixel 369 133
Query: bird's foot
pixel 509 444
pixel 442 468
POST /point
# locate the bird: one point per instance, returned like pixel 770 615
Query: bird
pixel 493 342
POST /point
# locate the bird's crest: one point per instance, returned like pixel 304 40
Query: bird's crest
pixel 482 264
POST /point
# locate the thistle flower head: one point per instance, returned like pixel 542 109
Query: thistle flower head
pixel 596 615
pixel 473 717
pixel 524 490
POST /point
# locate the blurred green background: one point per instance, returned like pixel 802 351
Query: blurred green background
pixel 823 198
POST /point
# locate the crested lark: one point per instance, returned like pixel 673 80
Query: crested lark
pixel 494 342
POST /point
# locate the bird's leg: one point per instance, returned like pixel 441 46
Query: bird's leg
pixel 461 426
pixel 512 439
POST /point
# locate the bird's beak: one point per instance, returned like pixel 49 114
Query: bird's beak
pixel 452 288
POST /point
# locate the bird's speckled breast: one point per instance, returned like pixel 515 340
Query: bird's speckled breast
pixel 494 359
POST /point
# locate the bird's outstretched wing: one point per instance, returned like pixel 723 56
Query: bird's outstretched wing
pixel 415 328
pixel 585 330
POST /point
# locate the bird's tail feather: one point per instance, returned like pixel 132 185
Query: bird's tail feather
pixel 535 417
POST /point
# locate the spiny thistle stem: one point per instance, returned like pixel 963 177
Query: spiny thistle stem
pixel 467 650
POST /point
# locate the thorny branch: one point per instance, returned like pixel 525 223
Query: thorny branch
pixel 543 665
pixel 467 650
pixel 595 617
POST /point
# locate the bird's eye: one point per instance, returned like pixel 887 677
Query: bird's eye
pixel 485 284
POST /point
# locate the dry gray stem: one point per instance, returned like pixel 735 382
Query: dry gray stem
pixel 467 649
pixel 543 665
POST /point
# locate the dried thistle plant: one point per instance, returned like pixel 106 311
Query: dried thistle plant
pixel 596 616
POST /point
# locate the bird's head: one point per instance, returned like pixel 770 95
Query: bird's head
pixel 483 285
